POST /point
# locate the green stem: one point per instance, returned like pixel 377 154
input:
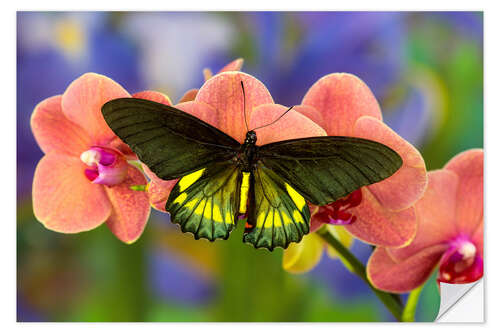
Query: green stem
pixel 411 305
pixel 391 301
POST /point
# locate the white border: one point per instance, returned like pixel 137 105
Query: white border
pixel 8 139
pixel 466 304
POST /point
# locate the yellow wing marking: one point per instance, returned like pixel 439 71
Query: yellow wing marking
pixel 269 221
pixel 296 197
pixel 216 214
pixel 261 219
pixel 201 206
pixel 277 219
pixel 297 217
pixel 286 219
pixel 245 185
pixel 180 199
pixel 228 219
pixel 207 212
pixel 188 180
pixel 191 204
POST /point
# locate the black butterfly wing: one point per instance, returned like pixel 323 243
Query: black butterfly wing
pixel 325 169
pixel 205 202
pixel 170 142
pixel 278 214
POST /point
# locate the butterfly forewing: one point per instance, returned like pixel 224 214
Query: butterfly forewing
pixel 325 169
pixel 170 142
pixel 278 214
pixel 205 202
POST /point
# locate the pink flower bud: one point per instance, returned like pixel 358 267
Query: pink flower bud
pixel 107 166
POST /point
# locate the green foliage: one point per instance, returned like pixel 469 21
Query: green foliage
pixel 428 305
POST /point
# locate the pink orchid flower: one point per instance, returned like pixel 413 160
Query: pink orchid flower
pixel 234 65
pixel 381 213
pixel 84 178
pixel 450 231
pixel 219 102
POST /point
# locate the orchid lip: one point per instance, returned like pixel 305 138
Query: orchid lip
pixel 350 220
pixel 461 263
pixel 106 166
pixel 337 213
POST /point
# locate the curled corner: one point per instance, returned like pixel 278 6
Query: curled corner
pixel 461 302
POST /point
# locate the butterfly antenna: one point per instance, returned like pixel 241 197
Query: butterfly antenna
pixel 284 113
pixel 244 105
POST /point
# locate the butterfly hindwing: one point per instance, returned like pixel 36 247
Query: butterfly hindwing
pixel 325 169
pixel 170 142
pixel 277 214
pixel 205 202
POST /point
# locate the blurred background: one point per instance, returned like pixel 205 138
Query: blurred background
pixel 425 68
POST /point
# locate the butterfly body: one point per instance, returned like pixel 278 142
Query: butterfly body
pixel 221 179
pixel 248 152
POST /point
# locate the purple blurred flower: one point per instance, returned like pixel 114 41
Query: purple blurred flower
pixel 175 47
pixel 174 280
pixel 369 45
pixel 26 313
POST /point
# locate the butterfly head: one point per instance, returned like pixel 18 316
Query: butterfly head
pixel 251 137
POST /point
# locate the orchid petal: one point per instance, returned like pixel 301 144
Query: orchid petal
pixel 303 256
pixel 158 189
pixel 407 185
pixel 223 92
pixel 435 214
pixel 469 168
pixel 150 174
pixel 64 200
pixel 54 132
pixel 315 222
pixel 478 238
pixel 159 192
pixel 122 147
pixel 234 65
pixel 207 74
pixel 293 125
pixel 190 95
pixel 311 113
pixel 82 102
pixel 130 208
pixel 341 99
pixel 201 111
pixel 154 96
pixel 387 274
pixel 377 225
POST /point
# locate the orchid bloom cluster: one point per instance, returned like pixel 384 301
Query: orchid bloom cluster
pixel 417 220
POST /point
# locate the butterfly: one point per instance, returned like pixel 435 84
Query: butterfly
pixel 222 180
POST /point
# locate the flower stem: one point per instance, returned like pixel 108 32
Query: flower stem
pixel 411 305
pixel 391 301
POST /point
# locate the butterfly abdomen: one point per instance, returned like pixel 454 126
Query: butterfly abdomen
pixel 245 187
